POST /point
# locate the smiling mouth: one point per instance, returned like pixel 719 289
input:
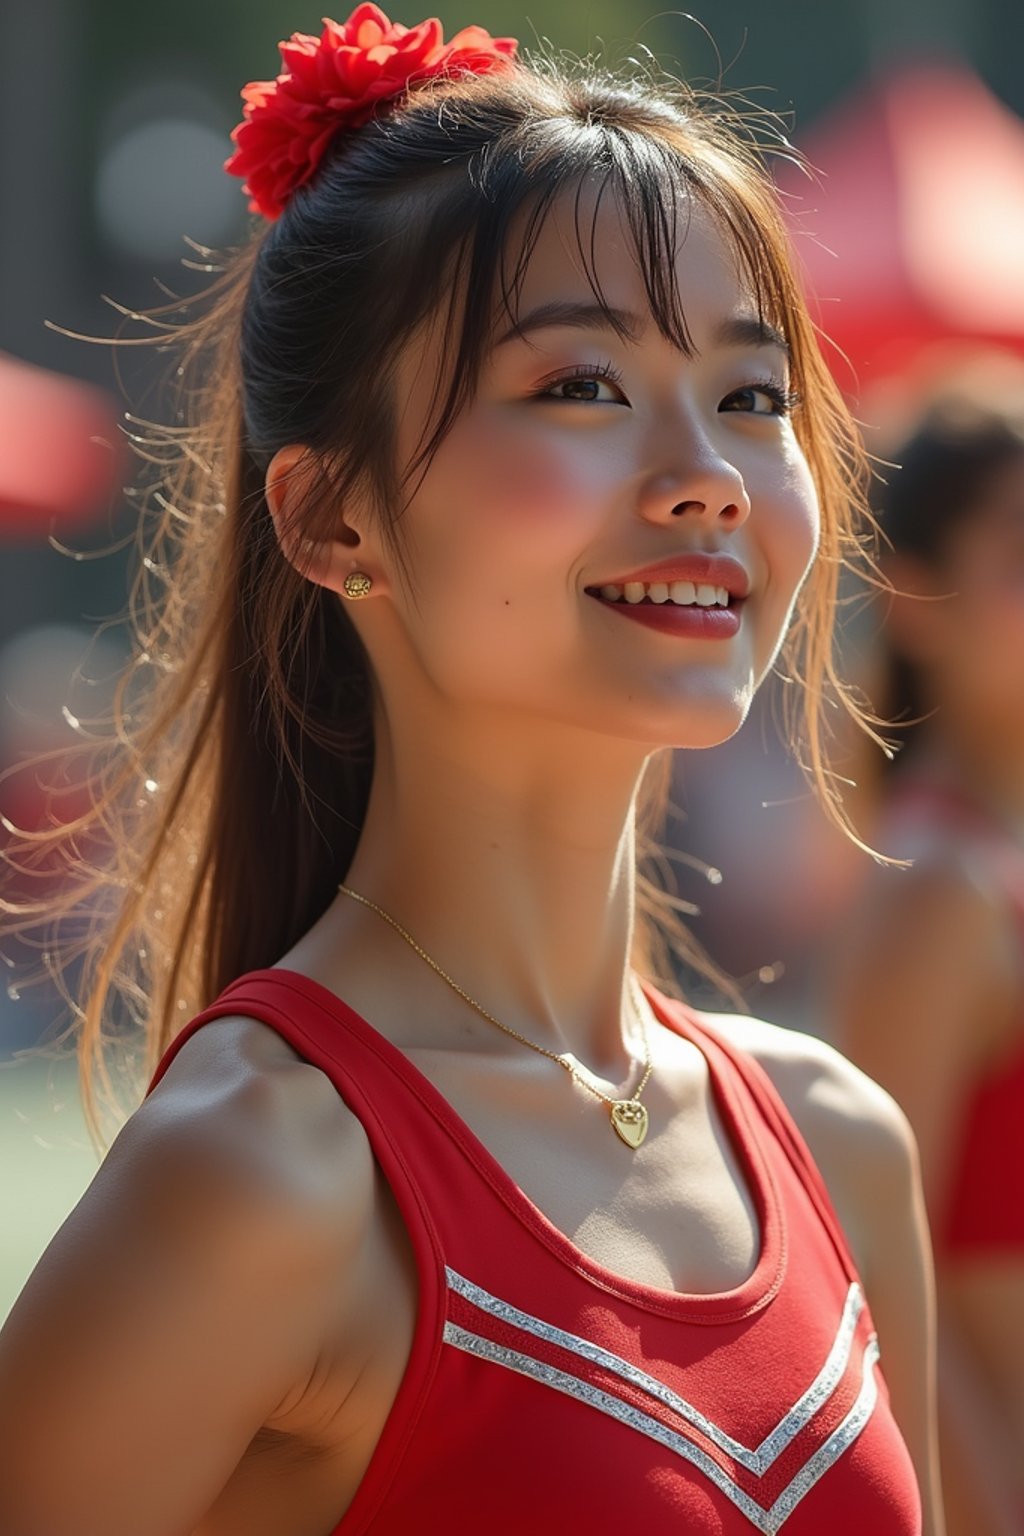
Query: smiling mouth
pixel 694 621
pixel 689 602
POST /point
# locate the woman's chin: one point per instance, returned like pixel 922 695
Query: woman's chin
pixel 711 735
pixel 707 718
pixel 705 723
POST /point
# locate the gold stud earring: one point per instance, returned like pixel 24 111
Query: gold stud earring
pixel 357 584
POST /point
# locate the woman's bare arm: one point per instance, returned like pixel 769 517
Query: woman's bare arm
pixel 150 1342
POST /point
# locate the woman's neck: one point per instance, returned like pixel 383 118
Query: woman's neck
pixel 516 877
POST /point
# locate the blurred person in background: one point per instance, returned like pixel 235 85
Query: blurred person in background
pixel 926 982
pixel 514 467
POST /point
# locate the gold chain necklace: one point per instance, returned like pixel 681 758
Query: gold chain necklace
pixel 628 1116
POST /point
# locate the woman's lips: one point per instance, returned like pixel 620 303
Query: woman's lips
pixel 689 620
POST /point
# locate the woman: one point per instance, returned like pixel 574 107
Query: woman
pixel 440 1213
pixel 940 948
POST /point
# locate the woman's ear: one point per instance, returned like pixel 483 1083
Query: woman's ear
pixel 292 476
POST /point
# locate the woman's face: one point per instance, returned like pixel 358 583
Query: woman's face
pixel 584 458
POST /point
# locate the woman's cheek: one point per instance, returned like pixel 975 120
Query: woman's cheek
pixel 789 556
pixel 529 482
pixel 796 537
pixel 803 495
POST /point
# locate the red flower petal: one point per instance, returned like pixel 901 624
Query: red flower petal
pixel 335 81
pixel 368 34
pixel 476 37
pixel 360 17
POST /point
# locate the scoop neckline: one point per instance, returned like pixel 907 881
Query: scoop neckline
pixel 739 1301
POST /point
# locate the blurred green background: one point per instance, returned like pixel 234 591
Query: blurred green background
pixel 114 123
pixel 46 1162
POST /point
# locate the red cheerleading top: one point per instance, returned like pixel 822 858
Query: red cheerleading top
pixel 984 1207
pixel 544 1392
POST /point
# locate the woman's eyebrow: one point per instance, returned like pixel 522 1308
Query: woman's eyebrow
pixel 750 331
pixel 737 331
pixel 571 312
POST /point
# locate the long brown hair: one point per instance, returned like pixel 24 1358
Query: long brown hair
pixel 228 796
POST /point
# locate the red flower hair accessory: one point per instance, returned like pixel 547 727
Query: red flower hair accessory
pixel 335 81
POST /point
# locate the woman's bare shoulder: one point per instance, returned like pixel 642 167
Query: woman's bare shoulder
pixel 856 1132
pixel 239 1101
pixel 815 1080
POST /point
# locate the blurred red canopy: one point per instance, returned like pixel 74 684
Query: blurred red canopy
pixel 911 232
pixel 62 453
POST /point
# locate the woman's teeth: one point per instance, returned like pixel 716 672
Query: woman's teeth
pixel 683 592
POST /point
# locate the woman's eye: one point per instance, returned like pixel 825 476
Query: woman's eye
pixel 751 399
pixel 583 385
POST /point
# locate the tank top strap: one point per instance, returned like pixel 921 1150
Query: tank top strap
pixel 778 1120
pixel 363 1074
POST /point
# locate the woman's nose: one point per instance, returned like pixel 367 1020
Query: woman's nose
pixel 708 485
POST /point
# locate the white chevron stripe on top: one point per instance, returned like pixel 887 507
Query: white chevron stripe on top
pixel 774 1443
pixel 769 1521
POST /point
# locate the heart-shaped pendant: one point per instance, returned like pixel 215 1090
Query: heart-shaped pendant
pixel 629 1118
